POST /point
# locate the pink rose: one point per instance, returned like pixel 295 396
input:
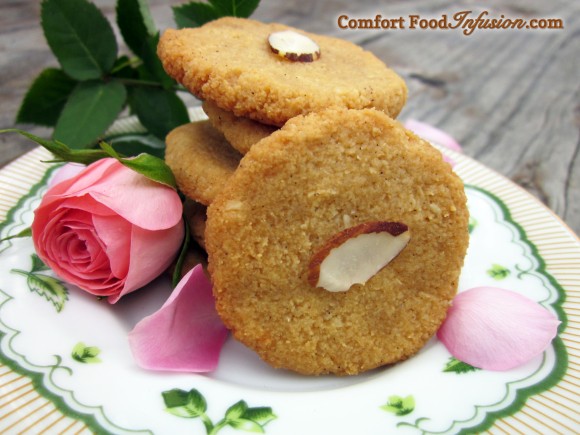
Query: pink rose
pixel 65 172
pixel 108 229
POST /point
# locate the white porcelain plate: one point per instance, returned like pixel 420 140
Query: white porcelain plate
pixel 67 368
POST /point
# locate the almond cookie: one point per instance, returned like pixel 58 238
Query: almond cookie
pixel 240 132
pixel 201 160
pixel 336 173
pixel 229 61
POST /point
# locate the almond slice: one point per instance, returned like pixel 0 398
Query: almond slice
pixel 356 254
pixel 294 46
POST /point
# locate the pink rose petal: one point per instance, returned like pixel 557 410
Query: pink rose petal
pixel 115 234
pixel 496 329
pixel 185 334
pixel 79 183
pixel 65 172
pixel 125 192
pixel 129 194
pixel 85 203
pixel 147 259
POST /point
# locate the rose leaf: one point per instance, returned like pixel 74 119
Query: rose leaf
pixel 195 14
pixel 159 110
pixel 80 37
pixel 46 98
pixel 135 23
pixel 150 166
pixel 90 110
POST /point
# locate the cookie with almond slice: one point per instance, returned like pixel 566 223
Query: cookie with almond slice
pixel 270 72
pixel 336 246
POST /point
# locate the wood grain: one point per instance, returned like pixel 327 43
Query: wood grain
pixel 510 97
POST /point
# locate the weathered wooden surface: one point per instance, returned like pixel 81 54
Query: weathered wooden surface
pixel 510 97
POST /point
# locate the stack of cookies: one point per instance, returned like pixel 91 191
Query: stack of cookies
pixel 335 237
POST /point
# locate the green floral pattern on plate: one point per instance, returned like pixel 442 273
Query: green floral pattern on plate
pixel 192 404
pixel 86 354
pixel 52 289
pixel 67 387
pixel 399 406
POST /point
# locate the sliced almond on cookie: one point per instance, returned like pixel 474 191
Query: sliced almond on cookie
pixel 356 254
pixel 294 46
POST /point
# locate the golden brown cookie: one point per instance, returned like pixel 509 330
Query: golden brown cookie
pixel 229 61
pixel 240 132
pixel 201 160
pixel 293 191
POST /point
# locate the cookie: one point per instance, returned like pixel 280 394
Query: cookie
pixel 201 160
pixel 229 62
pixel 240 132
pixel 296 189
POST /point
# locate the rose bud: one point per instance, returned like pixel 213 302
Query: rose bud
pixel 108 229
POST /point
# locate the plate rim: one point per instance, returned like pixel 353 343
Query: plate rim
pixel 40 176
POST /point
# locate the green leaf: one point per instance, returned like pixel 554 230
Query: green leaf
pixel 135 23
pixel 245 425
pixel 182 255
pixel 86 354
pixel 399 406
pixel 150 166
pixel 46 97
pixel 459 367
pixel 186 404
pixel 261 415
pixel 195 14
pixel 125 68
pixel 80 37
pixel 151 63
pixel 235 8
pixel 48 287
pixel 159 110
pixel 236 410
pixel 37 264
pixel 27 232
pixel 60 150
pixel 90 110
pixel 498 272
pixel 133 144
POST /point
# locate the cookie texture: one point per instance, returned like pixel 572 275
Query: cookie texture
pixel 240 132
pixel 229 62
pixel 201 160
pixel 318 175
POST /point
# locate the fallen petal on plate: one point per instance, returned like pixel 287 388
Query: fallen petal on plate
pixel 185 334
pixel 496 329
